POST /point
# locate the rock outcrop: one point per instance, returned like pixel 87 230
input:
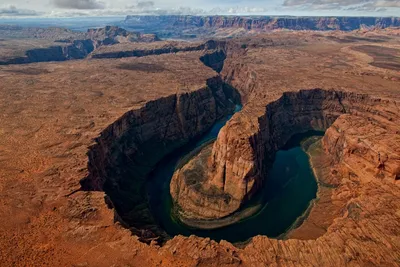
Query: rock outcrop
pixel 103 44
pixel 215 51
pixel 113 34
pixel 78 49
pixel 265 23
pixel 51 114
pixel 76 45
pixel 245 147
pixel 366 145
pixel 50 33
pixel 128 150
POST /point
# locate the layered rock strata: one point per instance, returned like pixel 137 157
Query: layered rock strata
pixel 52 112
pixel 75 45
pixel 128 150
pixel 265 23
pixel 158 48
pixel 245 147
pixel 366 146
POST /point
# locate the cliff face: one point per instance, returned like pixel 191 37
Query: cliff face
pixel 194 198
pixel 46 132
pixel 367 146
pixel 161 125
pixel 78 49
pixel 214 51
pixel 112 35
pixel 292 113
pixel 245 147
pixel 214 58
pixel 79 45
pixel 267 23
pixel 49 33
pixel 129 149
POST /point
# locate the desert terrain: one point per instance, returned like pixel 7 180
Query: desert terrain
pixel 80 135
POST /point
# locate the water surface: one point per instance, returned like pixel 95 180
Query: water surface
pixel 285 196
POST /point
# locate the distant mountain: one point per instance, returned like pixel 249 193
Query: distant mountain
pixel 263 23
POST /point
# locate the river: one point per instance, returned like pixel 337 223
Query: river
pixel 284 197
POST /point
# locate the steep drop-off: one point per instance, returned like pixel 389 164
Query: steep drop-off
pixel 263 23
pixel 246 146
pixel 129 149
pixel 76 45
pixel 214 57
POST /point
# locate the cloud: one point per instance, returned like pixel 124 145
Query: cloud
pixel 79 4
pixel 388 3
pixel 142 6
pixel 145 4
pixel 351 5
pixel 150 8
pixel 246 10
pixel 323 3
pixel 14 11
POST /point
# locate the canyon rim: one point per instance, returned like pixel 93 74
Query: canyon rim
pixel 88 117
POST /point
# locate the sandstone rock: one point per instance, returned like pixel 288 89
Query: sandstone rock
pixel 244 149
pixel 265 23
pixel 51 113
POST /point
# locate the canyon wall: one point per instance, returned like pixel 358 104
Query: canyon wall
pixel 74 45
pixel 366 145
pixel 214 51
pixel 265 22
pixel 128 150
pixel 78 49
pixel 246 146
pixel 214 59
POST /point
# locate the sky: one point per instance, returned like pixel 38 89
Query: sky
pixel 72 8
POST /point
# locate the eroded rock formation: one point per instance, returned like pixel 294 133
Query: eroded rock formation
pixel 265 23
pixel 366 145
pixel 128 150
pixel 72 45
pixel 245 147
pixel 215 51
pixel 52 112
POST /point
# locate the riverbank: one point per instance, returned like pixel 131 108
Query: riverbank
pixel 286 195
pixel 322 211
pixel 223 222
pixel 310 145
pixel 186 220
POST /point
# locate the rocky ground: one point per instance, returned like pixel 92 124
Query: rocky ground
pixel 19 45
pixel 189 27
pixel 55 115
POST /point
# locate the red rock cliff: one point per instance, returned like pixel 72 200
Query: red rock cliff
pixel 246 146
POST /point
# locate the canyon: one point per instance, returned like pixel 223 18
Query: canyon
pixel 80 139
pixel 58 44
pixel 244 151
pixel 186 26
pixel 268 22
pixel 130 148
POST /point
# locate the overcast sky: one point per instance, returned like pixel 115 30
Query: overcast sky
pixel 67 8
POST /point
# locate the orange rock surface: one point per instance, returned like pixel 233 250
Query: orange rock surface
pixel 51 114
